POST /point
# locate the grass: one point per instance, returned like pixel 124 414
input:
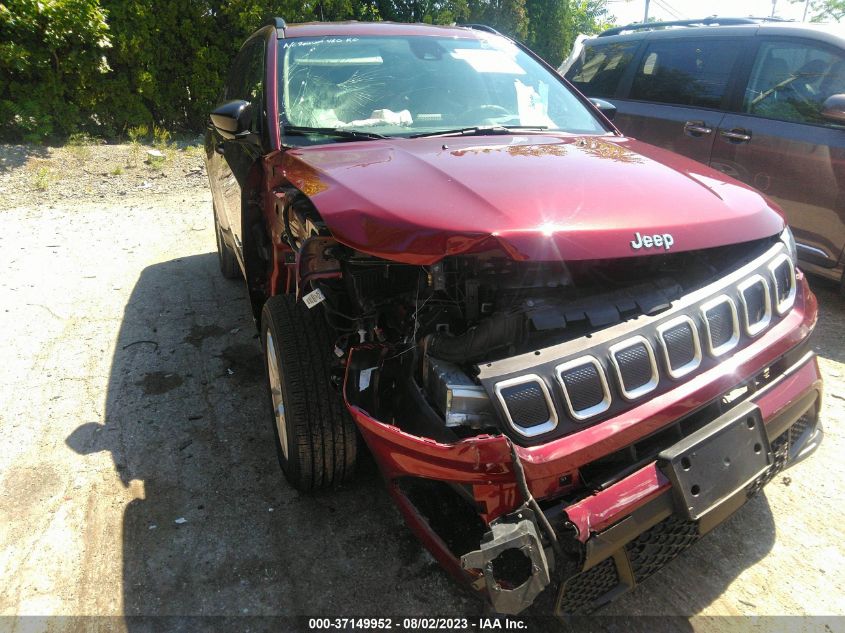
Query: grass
pixel 161 138
pixel 136 135
pixel 116 171
pixel 41 178
pixel 80 144
pixel 194 151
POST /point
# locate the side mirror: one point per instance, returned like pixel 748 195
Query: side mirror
pixel 605 107
pixel 833 108
pixel 232 119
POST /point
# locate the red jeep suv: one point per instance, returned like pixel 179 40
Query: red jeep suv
pixel 570 353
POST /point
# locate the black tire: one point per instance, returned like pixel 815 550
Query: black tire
pixel 320 446
pixel 225 255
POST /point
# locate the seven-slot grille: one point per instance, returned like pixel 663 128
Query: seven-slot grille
pixel 783 274
pixel 721 325
pixel 584 387
pixel 636 368
pixel 681 346
pixel 756 304
pixel 676 349
pixel 528 404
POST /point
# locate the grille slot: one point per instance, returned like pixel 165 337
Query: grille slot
pixel 797 430
pixel 721 326
pixel 584 387
pixel 655 547
pixel 635 367
pixel 783 276
pixel 681 346
pixel 581 593
pixel 756 305
pixel 527 404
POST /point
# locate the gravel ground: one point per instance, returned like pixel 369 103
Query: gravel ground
pixel 138 474
pixel 48 176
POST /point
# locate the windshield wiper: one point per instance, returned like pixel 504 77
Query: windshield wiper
pixel 480 130
pixel 303 130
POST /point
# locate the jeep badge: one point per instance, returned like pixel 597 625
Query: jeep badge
pixel 652 241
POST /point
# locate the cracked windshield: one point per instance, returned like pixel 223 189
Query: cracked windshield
pixel 371 87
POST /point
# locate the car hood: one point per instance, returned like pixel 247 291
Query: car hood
pixel 536 197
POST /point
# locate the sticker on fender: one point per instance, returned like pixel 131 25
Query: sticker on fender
pixel 313 298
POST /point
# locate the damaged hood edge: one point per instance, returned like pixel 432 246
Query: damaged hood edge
pixel 535 197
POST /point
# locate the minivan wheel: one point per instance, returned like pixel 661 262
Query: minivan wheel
pixel 225 255
pixel 316 439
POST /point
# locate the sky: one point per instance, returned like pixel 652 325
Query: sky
pixel 627 11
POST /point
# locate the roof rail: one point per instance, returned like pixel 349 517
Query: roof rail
pixel 709 21
pixel 278 23
pixel 481 27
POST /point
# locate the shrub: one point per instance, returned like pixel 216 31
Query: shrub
pixel 107 67
pixel 52 56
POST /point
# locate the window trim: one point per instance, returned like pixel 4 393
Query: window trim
pixel 623 86
pixel 751 60
pixel 730 85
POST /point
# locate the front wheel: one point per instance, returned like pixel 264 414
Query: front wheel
pixel 316 439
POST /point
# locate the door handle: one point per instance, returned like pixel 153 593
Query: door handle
pixel 696 128
pixel 736 135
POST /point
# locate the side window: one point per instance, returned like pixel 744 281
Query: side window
pixel 599 69
pixel 246 78
pixel 685 72
pixel 791 80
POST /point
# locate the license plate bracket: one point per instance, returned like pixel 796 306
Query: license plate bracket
pixel 713 463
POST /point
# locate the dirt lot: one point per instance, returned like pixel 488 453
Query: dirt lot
pixel 137 471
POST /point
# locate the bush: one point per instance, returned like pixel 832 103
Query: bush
pixel 109 66
pixel 52 58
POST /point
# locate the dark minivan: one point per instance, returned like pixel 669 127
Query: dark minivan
pixel 760 100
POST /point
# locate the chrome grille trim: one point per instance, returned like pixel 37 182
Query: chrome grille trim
pixel 547 365
pixel 782 307
pixel 537 429
pixel 689 367
pixel 655 377
pixel 706 308
pixel 589 412
pixel 753 329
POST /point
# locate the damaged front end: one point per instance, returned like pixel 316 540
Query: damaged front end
pixel 521 412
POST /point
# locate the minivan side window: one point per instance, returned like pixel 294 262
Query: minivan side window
pixel 685 72
pixel 599 69
pixel 791 80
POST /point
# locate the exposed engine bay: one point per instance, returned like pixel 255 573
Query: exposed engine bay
pixel 436 325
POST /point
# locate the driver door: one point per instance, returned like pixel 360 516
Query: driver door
pixel 231 160
pixel 781 145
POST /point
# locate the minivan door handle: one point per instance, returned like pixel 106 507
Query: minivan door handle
pixel 697 128
pixel 737 135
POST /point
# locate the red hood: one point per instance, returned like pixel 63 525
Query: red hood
pixel 537 197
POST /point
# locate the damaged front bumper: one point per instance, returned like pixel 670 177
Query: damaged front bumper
pixel 605 538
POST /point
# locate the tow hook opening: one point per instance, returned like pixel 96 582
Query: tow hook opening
pixel 512 561
pixel 512 568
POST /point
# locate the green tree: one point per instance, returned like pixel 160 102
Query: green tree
pixel 104 65
pixel 52 60
pixel 507 16
pixel 554 24
pixel 825 10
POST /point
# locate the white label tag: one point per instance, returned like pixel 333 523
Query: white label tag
pixel 364 378
pixel 313 298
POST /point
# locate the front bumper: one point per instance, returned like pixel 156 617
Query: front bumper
pixel 620 553
pixel 605 530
